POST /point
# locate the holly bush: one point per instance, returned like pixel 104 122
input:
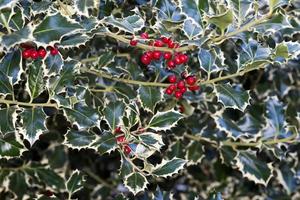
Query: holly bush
pixel 165 99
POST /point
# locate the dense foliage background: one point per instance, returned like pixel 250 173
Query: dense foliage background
pixel 85 110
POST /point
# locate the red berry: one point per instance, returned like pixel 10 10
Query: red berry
pixel 144 35
pixel 26 53
pixel 127 149
pixel 121 139
pixel 156 55
pixel 172 87
pixel 34 54
pixel 133 42
pixel 165 39
pixel 118 130
pixel 53 51
pixel 167 55
pixel 177 60
pixel 191 80
pixel 178 94
pixel 176 45
pixel 183 90
pixel 172 78
pixel 158 43
pixel 149 54
pixel 42 52
pixel 171 44
pixel 180 84
pixel 184 75
pixel 168 91
pixel 194 88
pixel 181 109
pixel 146 60
pixel 183 58
pixel 171 64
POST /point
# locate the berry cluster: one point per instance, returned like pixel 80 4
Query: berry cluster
pixel 178 88
pixel 172 60
pixel 33 53
pixel 122 140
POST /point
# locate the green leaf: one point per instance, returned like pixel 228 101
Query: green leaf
pixel 240 9
pixel 35 78
pixel 282 51
pixel 53 64
pixel 10 66
pixel 149 97
pixel 190 8
pixel 6 3
pixel 7 120
pixel 106 143
pixel 227 155
pixel 136 182
pixel 191 29
pixel 129 24
pixel 207 60
pixel 16 22
pixel 126 167
pixel 168 11
pixel 287 178
pixel 53 28
pixel 253 168
pixel 168 167
pixel 232 97
pixel 33 123
pixel 195 152
pixel 273 4
pixel 79 139
pixel 49 177
pixel 113 113
pixel 83 6
pixel 222 21
pixel 152 140
pixel 17 37
pixel 9 147
pixel 18 184
pixel 82 116
pixel 74 40
pixel 5 85
pixel 177 149
pixel 75 182
pixel 164 120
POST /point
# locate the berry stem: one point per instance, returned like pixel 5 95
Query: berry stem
pixel 19 103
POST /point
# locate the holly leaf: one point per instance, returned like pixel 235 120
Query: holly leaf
pixel 136 182
pixel 84 6
pixel 105 143
pixel 74 183
pixel 195 152
pixel 129 24
pixel 9 146
pixel 16 37
pixel 253 168
pixel 232 97
pixel 5 84
pixel 53 64
pixel 191 29
pixel 168 167
pixel 54 27
pixel 33 120
pixel 240 9
pixel 287 178
pixel 79 139
pixel 18 183
pixel 164 120
pixel 207 60
pixel 168 10
pixel 7 3
pixel 152 140
pixel 113 113
pixel 10 66
pixel 82 116
pixel 7 120
pixel 149 97
pixel 222 21
pixel 35 78
pixel 126 167
pixel 190 8
pixel 48 177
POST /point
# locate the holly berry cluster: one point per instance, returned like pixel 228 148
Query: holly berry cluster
pixel 33 53
pixel 122 140
pixel 179 87
pixel 172 60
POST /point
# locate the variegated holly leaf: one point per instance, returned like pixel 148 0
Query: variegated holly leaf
pixel 232 97
pixel 16 37
pixel 194 152
pixel 273 4
pixel 33 120
pixel 84 6
pixel 253 168
pixel 5 84
pixel 113 113
pixel 222 20
pixel 16 22
pixel 227 155
pixel 74 183
pixel 241 8
pixel 36 78
pixel 132 114
pixel 54 27
pixel 7 120
pixel 191 9
pixel 168 11
pixel 281 51
pixel 126 167
pixel 287 178
pixel 168 167
pixel 9 146
pixel 135 182
pixel 105 143
pixel 162 195
pixel 149 97
pixel 129 24
pixel 152 140
pixel 53 64
pixel 7 3
pixel 191 29
pixel 10 66
pixel 79 139
pixel 164 120
pixel 18 183
pixel 74 40
pixel 82 116
pixel 207 59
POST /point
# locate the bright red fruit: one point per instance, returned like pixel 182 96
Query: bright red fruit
pixel 191 80
pixel 180 84
pixel 181 109
pixel 168 91
pixel 178 94
pixel 177 60
pixel 172 78
pixel 118 130
pixel 171 64
pixel 127 149
pixel 53 51
pixel 194 88
pixel 149 54
pixel 146 60
pixel 183 90
pixel 183 58
pixel 167 55
pixel 26 53
pixel 165 39
pixel 133 42
pixel 184 75
pixel 172 87
pixel 34 54
pixel 156 55
pixel 42 52
pixel 171 44
pixel 121 139
pixel 158 43
pixel 144 35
